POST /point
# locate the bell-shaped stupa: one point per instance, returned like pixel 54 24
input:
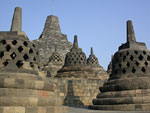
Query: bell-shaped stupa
pixel 128 87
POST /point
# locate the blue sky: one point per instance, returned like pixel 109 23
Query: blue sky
pixel 98 23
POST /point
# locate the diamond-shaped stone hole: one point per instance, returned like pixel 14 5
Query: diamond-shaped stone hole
pixel 143 70
pixel 25 56
pixel 20 49
pixel 123 71
pixel 19 64
pixel 37 53
pixel 120 54
pixel 137 63
pixel 140 57
pixel 131 58
pixel 8 47
pixel 144 52
pixel 14 42
pixel 33 45
pixel 5 63
pixel 127 53
pixel 124 58
pixel 133 70
pixel 75 62
pixel 128 64
pixel 136 52
pixel 13 55
pixel 116 71
pixel 3 42
pixel 31 64
pixel 148 58
pixel 34 59
pixel 25 43
pixel 30 50
pixel 146 63
pixel 120 65
pixel 1 54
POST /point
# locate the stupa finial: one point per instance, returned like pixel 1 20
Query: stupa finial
pixel 75 43
pixel 130 31
pixel 92 53
pixel 17 20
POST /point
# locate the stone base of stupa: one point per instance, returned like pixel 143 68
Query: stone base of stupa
pixel 29 96
pixel 128 100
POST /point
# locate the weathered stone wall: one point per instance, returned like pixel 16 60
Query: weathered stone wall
pixel 51 37
pixel 77 92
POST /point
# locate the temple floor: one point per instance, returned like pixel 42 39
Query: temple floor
pixel 86 110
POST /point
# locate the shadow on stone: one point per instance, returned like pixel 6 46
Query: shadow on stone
pixel 71 99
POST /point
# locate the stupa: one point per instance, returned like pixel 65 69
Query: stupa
pixel 22 89
pixel 128 87
pixel 93 63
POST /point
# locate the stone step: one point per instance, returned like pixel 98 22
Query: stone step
pixel 21 109
pixel 26 84
pixel 12 92
pixel 126 93
pixel 30 101
pixel 122 107
pixel 123 100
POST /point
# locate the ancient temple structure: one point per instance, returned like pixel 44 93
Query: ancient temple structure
pixel 93 63
pixel 54 64
pixel 82 76
pixel 128 87
pixel 22 89
pixel 51 37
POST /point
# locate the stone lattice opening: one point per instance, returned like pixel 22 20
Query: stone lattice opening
pixel 25 56
pixel 34 59
pixel 3 42
pixel 128 64
pixel 25 43
pixel 131 58
pixel 124 58
pixel 5 63
pixel 20 49
pixel 1 54
pixel 137 63
pixel 19 64
pixel 144 52
pixel 120 65
pixel 123 71
pixel 30 51
pixel 8 47
pixel 14 42
pixel 140 57
pixel 133 70
pixel 148 58
pixel 146 63
pixel 33 45
pixel 13 55
pixel 31 64
pixel 136 52
pixel 143 70
pixel 127 53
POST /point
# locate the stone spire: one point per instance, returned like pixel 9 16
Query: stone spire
pixel 75 43
pixel 17 20
pixel 52 26
pixel 130 31
pixel 92 51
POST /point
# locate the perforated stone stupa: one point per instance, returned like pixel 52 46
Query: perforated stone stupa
pixel 55 63
pixel 98 70
pixel 22 89
pixel 128 87
pixel 75 61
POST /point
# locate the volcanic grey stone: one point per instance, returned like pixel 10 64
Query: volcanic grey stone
pixel 51 37
pixel 17 20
